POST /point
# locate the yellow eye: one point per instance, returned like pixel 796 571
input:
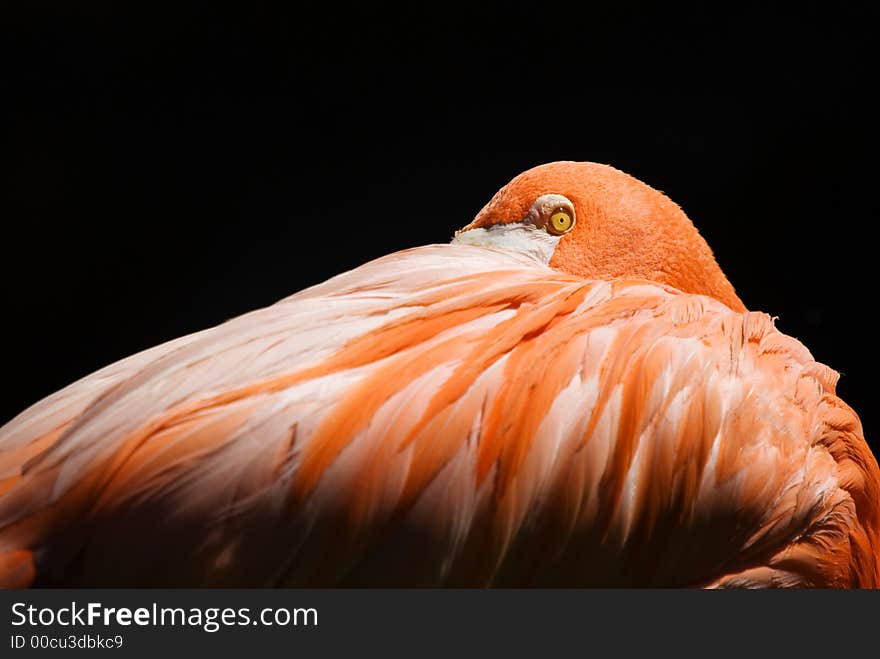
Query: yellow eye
pixel 554 213
pixel 560 222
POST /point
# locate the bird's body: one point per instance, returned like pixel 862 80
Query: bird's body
pixel 453 415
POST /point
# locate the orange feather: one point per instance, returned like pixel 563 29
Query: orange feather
pixel 462 415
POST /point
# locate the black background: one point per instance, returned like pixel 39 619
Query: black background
pixel 169 169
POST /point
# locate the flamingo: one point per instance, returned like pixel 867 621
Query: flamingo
pixel 570 393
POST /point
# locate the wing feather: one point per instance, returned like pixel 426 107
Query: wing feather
pixel 450 415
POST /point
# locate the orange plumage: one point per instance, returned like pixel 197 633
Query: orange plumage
pixel 590 408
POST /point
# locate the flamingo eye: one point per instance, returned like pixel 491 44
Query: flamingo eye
pixel 554 213
pixel 560 222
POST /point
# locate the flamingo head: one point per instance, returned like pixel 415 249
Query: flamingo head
pixel 597 222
